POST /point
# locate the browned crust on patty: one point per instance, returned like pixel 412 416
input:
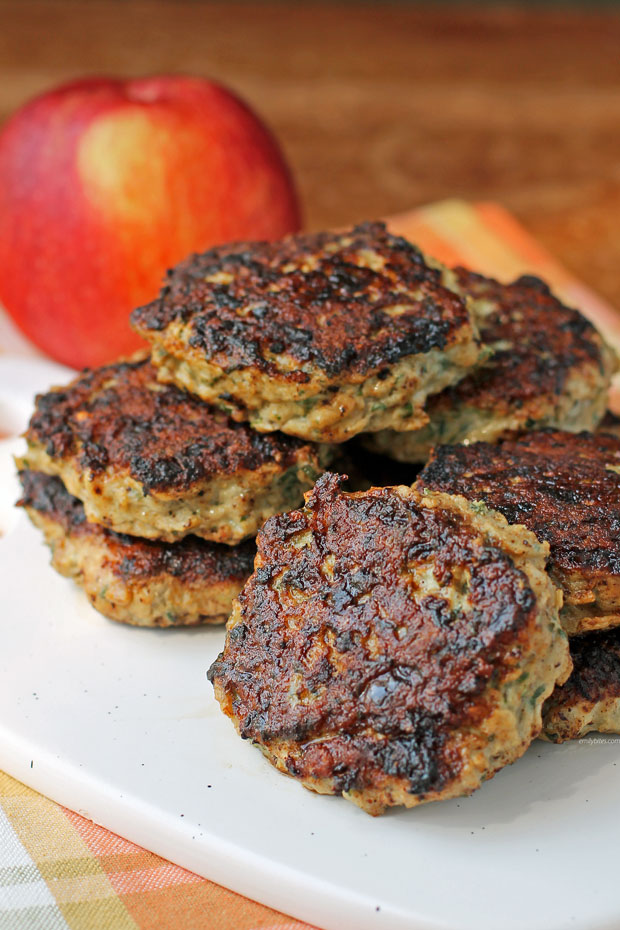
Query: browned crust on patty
pixel 590 699
pixel 120 418
pixel 310 296
pixel 204 568
pixel 537 343
pixel 349 667
pixel 565 487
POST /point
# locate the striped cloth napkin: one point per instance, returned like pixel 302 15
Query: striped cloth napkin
pixel 59 871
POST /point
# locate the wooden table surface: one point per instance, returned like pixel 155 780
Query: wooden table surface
pixel 381 107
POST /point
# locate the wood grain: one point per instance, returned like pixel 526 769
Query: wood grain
pixel 382 107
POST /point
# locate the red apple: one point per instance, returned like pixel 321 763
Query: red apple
pixel 106 183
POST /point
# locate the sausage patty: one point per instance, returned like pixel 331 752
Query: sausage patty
pixel 137 581
pixel 321 336
pixel 565 488
pixel 549 367
pixel 590 699
pixel 390 646
pixel 151 460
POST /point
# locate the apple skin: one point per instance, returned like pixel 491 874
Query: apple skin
pixel 106 183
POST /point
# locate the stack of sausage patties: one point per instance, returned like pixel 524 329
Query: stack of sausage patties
pixel 150 498
pixel 397 644
pixel 392 645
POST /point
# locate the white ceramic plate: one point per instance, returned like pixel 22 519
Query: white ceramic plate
pixel 121 725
